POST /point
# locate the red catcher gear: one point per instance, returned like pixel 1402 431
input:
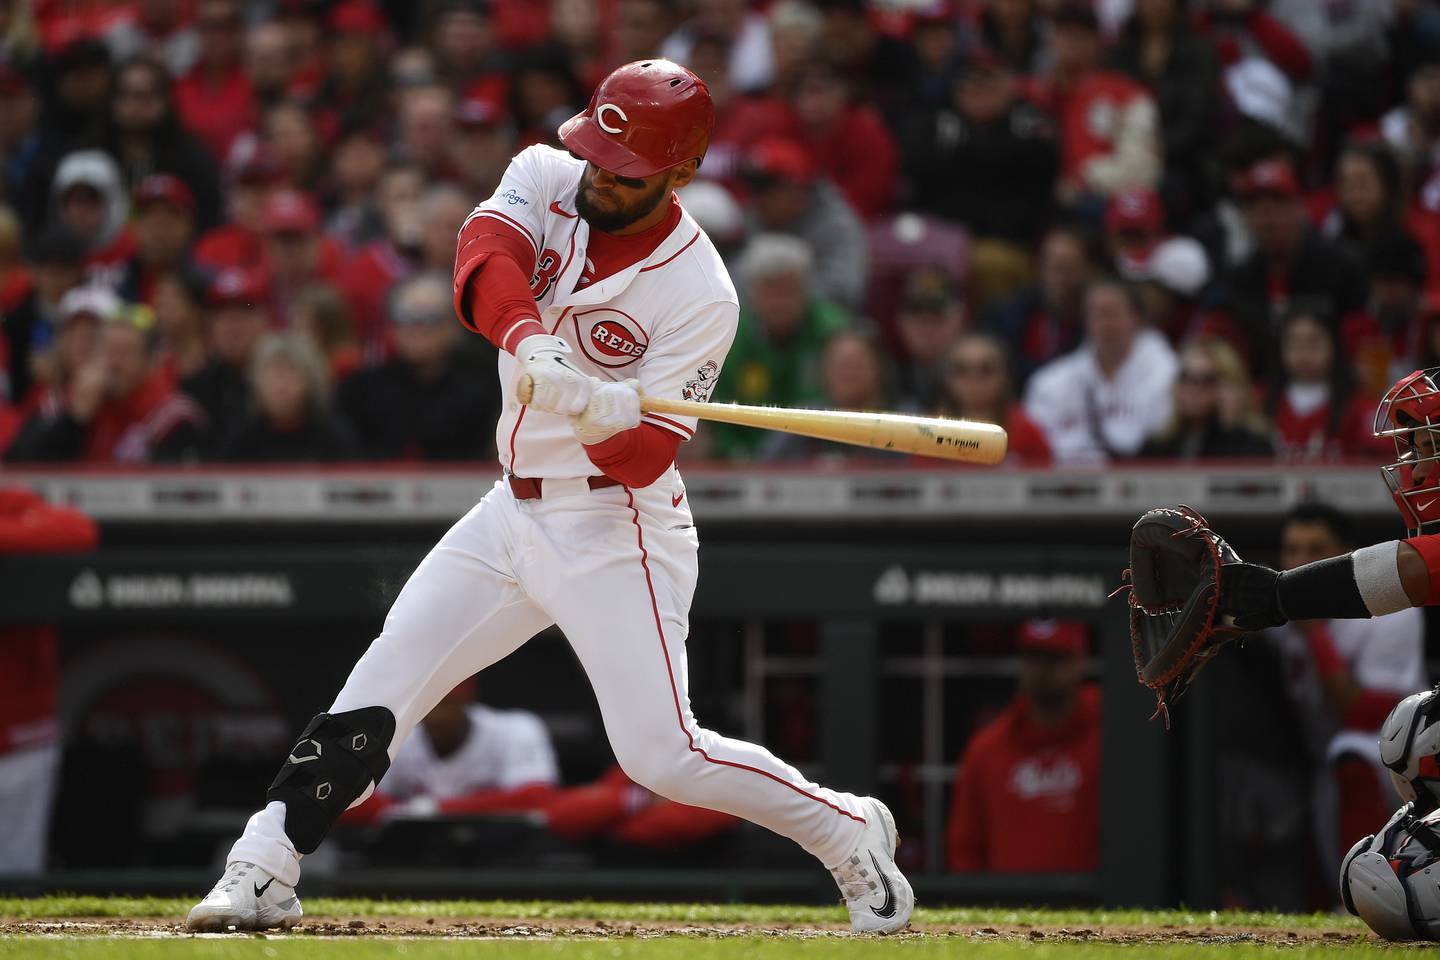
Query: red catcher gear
pixel 1410 414
pixel 645 117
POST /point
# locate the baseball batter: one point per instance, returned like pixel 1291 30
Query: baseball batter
pixel 586 272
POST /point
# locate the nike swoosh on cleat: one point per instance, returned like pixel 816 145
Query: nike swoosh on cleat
pixel 260 891
pixel 887 909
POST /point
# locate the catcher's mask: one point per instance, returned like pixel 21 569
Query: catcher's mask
pixel 1409 413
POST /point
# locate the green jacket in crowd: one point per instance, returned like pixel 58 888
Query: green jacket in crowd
pixel 761 371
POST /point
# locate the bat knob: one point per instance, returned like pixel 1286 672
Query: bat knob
pixel 525 388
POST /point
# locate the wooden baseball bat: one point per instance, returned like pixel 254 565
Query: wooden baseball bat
pixel 946 439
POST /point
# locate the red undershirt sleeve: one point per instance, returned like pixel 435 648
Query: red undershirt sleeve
pixel 493 264
pixel 635 457
pixel 1428 546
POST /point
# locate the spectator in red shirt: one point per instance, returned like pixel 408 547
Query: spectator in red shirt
pixel 214 99
pixel 1027 790
pixel 164 225
pixel 369 275
pixel 296 252
pixel 119 409
pixel 1109 124
pixel 1317 412
pixel 831 124
pixel 240 241
pixel 978 385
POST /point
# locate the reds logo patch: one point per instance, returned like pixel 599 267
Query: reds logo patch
pixel 609 337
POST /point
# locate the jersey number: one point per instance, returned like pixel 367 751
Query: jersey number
pixel 545 269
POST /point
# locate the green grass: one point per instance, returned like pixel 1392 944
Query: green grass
pixel 1228 940
pixel 687 949
pixel 67 906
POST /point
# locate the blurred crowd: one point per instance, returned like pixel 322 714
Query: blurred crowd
pixel 1120 228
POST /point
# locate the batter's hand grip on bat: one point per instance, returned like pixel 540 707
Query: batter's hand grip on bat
pixel 525 388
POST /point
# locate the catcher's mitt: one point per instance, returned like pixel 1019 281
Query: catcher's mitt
pixel 1176 564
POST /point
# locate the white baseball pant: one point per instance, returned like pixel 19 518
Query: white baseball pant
pixel 615 569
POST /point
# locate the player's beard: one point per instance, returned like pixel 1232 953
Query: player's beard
pixel 610 221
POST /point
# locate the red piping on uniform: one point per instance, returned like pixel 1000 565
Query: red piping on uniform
pixel 514 223
pixel 657 266
pixel 512 436
pixel 675 693
pixel 671 423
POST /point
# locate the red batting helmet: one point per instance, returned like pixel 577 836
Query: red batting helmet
pixel 645 117
pixel 1410 414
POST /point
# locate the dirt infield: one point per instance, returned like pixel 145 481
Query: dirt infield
pixel 489 928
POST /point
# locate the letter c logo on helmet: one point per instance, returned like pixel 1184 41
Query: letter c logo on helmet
pixel 643 118
pixel 600 117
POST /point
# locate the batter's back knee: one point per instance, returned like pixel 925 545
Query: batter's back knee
pixel 337 758
pixel 658 770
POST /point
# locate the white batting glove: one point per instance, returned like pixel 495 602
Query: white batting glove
pixel 613 408
pixel 559 387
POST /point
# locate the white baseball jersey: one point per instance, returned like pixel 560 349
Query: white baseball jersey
pixel 666 321
pixel 1079 409
pixel 1385 654
pixel 506 749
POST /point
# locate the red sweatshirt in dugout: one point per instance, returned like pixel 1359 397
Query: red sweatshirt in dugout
pixel 1026 798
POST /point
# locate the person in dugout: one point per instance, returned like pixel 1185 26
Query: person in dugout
pixel 1027 790
pixel 29 731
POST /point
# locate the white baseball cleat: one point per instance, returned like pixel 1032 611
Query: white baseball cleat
pixel 246 898
pixel 877 894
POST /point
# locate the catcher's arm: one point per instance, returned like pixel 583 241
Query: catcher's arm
pixel 1368 582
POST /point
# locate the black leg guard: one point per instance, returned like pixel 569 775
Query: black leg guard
pixel 335 759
